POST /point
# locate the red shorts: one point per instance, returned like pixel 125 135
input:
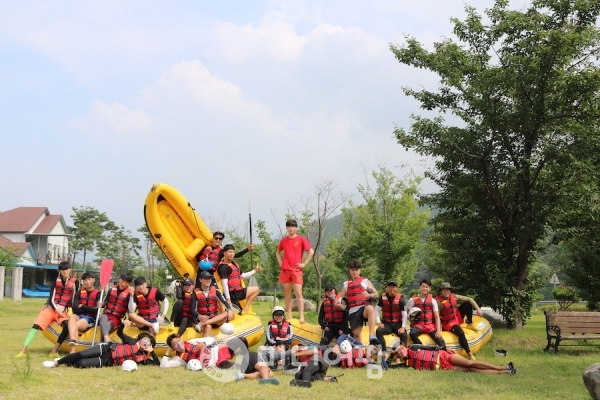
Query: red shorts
pixel 448 327
pixel 426 328
pixel 291 276
pixel 446 360
pixel 116 322
pixel 46 316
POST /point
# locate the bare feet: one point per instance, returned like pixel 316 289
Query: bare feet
pixel 302 321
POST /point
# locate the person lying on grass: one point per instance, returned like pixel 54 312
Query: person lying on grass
pixel 140 350
pixel 215 355
pixel 432 358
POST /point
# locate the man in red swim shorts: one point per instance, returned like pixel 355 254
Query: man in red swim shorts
pixel 289 254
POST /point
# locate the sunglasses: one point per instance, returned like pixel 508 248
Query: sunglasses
pixel 219 238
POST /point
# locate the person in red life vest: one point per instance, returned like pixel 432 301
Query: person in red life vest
pixel 359 291
pixel 466 307
pixel 61 295
pixel 279 330
pixel 211 253
pixel 433 358
pixel 393 318
pixel 116 304
pixel 213 355
pixel 451 317
pixel 140 350
pixel 210 312
pixel 182 315
pixel 428 321
pixel 352 354
pixel 85 310
pixel 231 280
pixel 290 252
pixel 333 315
pixel 147 299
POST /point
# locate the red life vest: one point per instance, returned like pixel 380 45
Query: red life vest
pixel 305 359
pixel 392 313
pixel 279 332
pixel 223 354
pixel 448 311
pixel 424 359
pixel 89 299
pixel 117 303
pixel 186 305
pixel 355 293
pixel 63 293
pixel 332 314
pixel 234 281
pixel 148 307
pixel 426 307
pixel 213 256
pixel 192 352
pixel 207 305
pixel 355 359
pixel 122 352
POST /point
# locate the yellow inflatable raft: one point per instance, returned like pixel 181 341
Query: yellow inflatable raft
pixel 311 335
pixel 248 326
pixel 176 227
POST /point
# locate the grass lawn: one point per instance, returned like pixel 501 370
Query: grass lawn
pixel 540 375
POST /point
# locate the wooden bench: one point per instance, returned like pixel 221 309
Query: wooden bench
pixel 569 325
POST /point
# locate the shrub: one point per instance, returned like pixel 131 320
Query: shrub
pixel 565 296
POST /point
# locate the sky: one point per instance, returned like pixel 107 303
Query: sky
pixel 224 100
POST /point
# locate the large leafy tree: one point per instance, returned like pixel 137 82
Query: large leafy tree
pixel 119 245
pixel 522 87
pixel 386 228
pixel 90 228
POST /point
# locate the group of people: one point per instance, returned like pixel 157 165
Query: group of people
pixel 200 304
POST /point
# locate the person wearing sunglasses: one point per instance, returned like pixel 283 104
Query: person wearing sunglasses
pixel 210 252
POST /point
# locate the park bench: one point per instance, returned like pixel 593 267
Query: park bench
pixel 569 325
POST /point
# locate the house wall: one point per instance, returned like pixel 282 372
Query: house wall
pixel 58 246
pixel 15 237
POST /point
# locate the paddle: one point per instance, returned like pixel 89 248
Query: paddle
pixel 250 224
pixel 106 268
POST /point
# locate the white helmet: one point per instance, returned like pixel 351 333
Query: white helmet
pixel 414 312
pixel 345 347
pixel 278 308
pixel 194 365
pixel 227 328
pixel 129 365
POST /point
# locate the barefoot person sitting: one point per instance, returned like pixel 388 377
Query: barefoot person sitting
pixel 231 280
pixel 85 309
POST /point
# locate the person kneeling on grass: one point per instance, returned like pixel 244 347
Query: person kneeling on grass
pixel 140 350
pixel 431 358
pixel 215 355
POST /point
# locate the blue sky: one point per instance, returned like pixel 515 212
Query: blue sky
pixel 98 100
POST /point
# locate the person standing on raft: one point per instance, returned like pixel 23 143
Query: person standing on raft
pixel 289 255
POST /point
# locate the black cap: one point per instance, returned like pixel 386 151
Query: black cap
pixel 330 286
pixel 204 275
pixel 187 282
pixel 392 283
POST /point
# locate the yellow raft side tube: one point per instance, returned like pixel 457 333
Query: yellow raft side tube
pixel 176 228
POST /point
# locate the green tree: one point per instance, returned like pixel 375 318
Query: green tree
pixel 120 246
pixel 269 276
pixel 522 88
pixel 90 227
pixel 8 257
pixel 386 229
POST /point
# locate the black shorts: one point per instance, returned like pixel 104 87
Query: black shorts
pixel 252 361
pixel 237 296
pixel 356 319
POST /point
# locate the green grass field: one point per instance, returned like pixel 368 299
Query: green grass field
pixel 540 375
